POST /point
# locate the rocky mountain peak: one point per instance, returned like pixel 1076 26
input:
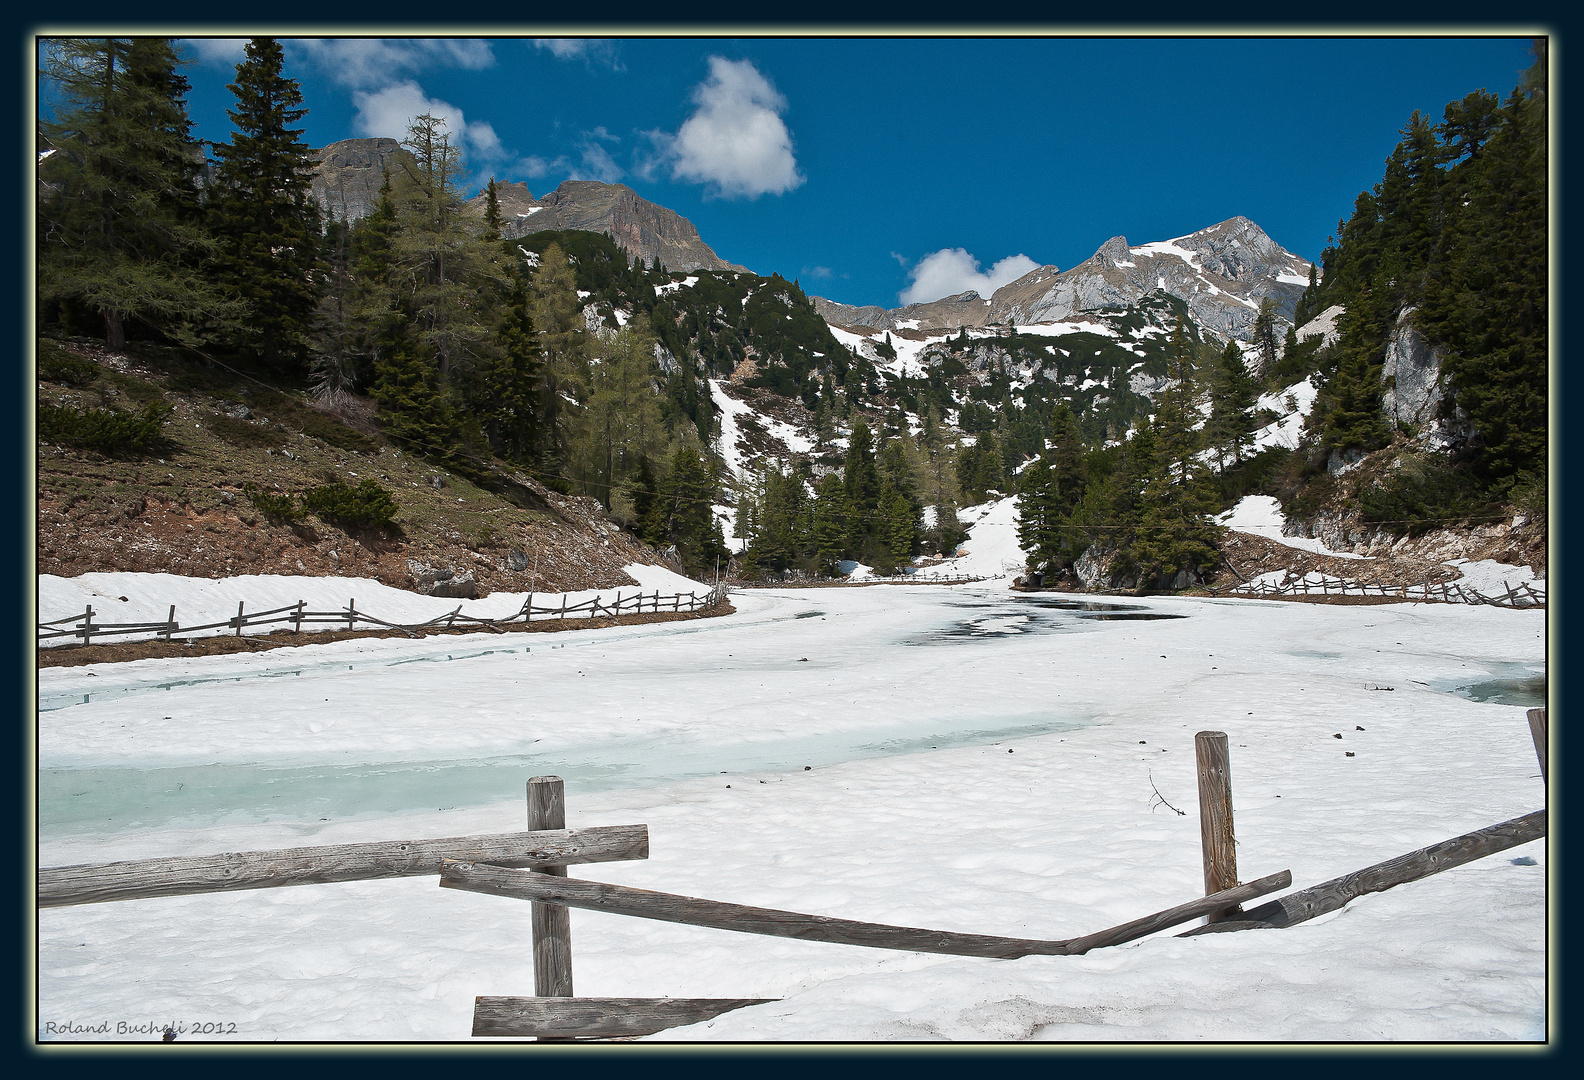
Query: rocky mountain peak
pixel 347 180
pixel 1222 272
pixel 643 229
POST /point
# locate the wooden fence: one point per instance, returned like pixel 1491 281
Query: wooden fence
pixel 896 579
pixel 1524 596
pixel 83 628
pixel 532 866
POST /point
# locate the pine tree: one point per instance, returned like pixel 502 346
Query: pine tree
pixel 118 231
pixel 504 391
pixel 684 510
pixel 261 208
pixel 830 524
pixel 1265 334
pixel 1229 432
pixel 1175 538
pixel 861 481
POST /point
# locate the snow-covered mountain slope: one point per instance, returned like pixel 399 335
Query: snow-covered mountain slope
pixel 1222 272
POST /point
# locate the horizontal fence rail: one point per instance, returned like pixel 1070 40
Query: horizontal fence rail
pixel 1328 896
pixel 1523 595
pixel 596 1018
pixel 83 627
pixel 94 883
pixel 668 907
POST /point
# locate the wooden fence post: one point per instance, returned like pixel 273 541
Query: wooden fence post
pixel 528 610
pixel 1215 817
pixel 297 618
pixel 87 630
pixel 239 617
pixel 1537 729
pixel 563 607
pixel 351 612
pixel 552 924
pixel 170 622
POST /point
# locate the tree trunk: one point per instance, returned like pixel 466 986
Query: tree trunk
pixel 115 331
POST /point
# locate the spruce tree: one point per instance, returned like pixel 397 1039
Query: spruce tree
pixel 262 210
pixel 118 232
pixel 1229 432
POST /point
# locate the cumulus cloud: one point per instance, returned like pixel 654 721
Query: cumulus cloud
pixel 950 271
pixel 735 143
pixel 365 63
pixel 389 112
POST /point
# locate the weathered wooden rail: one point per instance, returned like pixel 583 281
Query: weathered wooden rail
pixel 94 883
pixel 718 915
pixel 83 627
pixel 1523 595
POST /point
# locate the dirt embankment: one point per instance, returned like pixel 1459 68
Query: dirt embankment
pixel 186 508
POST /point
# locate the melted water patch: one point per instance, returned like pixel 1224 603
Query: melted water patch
pixel 1019 615
pixel 1502 684
pixel 110 799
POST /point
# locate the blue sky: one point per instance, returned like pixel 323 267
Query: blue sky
pixel 879 171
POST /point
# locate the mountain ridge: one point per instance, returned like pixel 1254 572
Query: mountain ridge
pixel 1222 272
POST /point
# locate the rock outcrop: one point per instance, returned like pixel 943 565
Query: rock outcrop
pixel 643 229
pixel 347 181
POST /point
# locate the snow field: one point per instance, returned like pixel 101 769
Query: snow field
pixel 1061 836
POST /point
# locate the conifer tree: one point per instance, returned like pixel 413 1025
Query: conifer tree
pixel 1229 431
pixel 559 319
pixel 440 269
pixel 262 210
pixel 830 524
pixel 504 390
pixel 621 421
pixel 118 232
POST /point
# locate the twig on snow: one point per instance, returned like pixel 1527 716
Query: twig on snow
pixel 1159 796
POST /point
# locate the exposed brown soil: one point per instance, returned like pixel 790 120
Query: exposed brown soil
pixel 118 652
pixel 186 512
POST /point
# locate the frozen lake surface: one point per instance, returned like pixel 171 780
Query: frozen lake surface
pixel 958 758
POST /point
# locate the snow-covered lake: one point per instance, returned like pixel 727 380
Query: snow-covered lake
pixel 959 758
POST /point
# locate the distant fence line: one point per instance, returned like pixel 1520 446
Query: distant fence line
pixel 1523 596
pixel 896 579
pixel 83 627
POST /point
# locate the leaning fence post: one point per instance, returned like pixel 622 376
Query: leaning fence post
pixel 170 622
pixel 552 924
pixel 297 618
pixel 1215 817
pixel 1537 729
pixel 239 617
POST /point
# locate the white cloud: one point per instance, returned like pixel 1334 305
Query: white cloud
pixel 597 163
pixel 389 112
pixel 366 63
pixel 950 271
pixel 221 52
pixel 735 142
pixel 589 50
